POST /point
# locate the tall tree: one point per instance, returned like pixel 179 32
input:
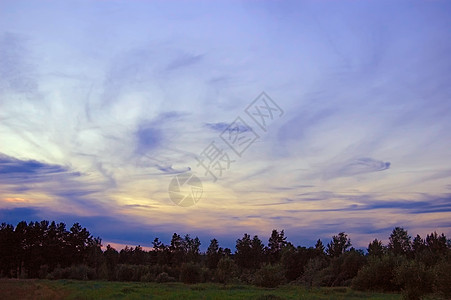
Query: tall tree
pixel 418 245
pixel 191 248
pixel 243 254
pixel 275 245
pixel 437 244
pixel 213 255
pixel 375 248
pixel 339 245
pixel 177 250
pixel 78 240
pixel 112 259
pixel 257 252
pixel 399 242
pixel 319 246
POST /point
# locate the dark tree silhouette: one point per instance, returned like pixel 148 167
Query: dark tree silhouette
pixel 375 248
pixel 339 245
pixel 320 247
pixel 243 254
pixel 111 260
pixel 213 254
pixel 399 242
pixel 275 245
pixel 48 250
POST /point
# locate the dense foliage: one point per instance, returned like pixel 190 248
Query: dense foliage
pixel 48 250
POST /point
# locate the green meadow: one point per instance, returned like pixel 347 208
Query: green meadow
pixel 73 289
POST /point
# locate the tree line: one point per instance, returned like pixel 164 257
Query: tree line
pixel 416 267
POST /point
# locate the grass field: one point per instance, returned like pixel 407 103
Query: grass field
pixel 71 289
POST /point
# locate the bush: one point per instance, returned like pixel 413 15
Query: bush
pixel 342 269
pixel 415 279
pixel 43 271
pixel 206 275
pixel 190 273
pixel 124 272
pixel 103 272
pixel 131 272
pixel 147 278
pixel 313 271
pixel 247 276
pixel 79 272
pixel 378 274
pixel 269 276
pixel 59 273
pixel 164 277
pixel 442 278
pixel 226 270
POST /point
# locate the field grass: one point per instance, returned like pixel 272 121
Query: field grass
pixel 72 289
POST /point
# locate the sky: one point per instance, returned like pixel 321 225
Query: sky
pixel 103 104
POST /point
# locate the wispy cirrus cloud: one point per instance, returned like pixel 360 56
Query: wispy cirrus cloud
pixel 355 167
pixel 13 170
pixel 17 72
pixel 40 181
pixel 184 61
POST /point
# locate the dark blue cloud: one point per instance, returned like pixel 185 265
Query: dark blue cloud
pixel 56 181
pixel 15 215
pixel 10 165
pixel 150 134
pixel 221 126
pixel 356 167
pixel 184 61
pixel 171 170
pixel 13 170
pixel 148 138
pixel 427 204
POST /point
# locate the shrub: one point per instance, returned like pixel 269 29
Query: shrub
pixel 124 273
pixel 442 278
pixel 313 271
pixel 190 273
pixel 127 272
pixel 415 279
pixel 81 272
pixel 342 269
pixel 247 276
pixel 103 272
pixel 206 275
pixel 164 277
pixel 269 276
pixel 147 278
pixel 59 273
pixel 378 274
pixel 226 270
pixel 139 271
pixel 78 272
pixel 43 271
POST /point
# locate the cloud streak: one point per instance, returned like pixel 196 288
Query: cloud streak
pixel 13 170
pixel 356 167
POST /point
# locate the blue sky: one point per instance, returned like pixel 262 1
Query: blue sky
pixel 102 103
